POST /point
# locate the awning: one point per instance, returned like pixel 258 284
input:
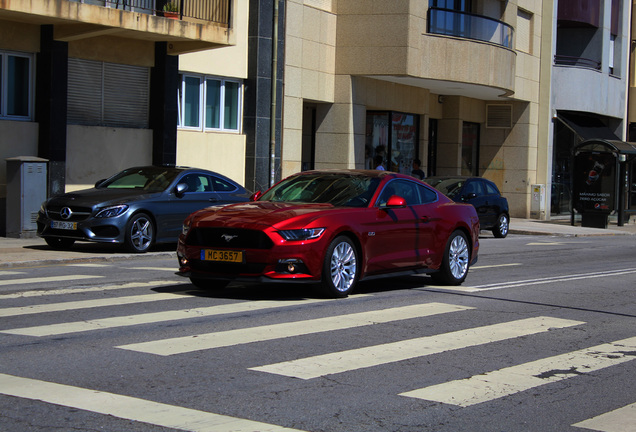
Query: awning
pixel 587 127
pixel 606 146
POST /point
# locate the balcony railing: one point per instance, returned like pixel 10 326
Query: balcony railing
pixel 450 22
pixel 563 60
pixel 217 11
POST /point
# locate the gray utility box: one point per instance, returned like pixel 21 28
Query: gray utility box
pixel 26 190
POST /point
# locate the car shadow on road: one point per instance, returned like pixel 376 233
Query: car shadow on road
pixel 101 248
pixel 296 291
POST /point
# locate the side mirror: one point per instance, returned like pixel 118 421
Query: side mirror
pixel 180 189
pixel 396 201
pixel 469 196
pixel 256 195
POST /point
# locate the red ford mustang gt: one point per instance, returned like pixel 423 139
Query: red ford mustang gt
pixel 333 228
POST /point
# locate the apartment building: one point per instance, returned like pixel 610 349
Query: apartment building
pixel 92 86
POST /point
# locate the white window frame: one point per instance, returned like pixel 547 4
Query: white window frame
pixel 181 96
pixel 4 85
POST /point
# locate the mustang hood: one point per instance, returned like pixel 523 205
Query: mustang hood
pixel 92 197
pixel 260 214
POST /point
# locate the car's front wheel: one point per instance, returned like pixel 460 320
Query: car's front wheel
pixel 500 230
pixel 340 269
pixel 140 233
pixel 59 243
pixel 455 262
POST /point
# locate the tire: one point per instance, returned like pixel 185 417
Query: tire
pixel 340 270
pixel 140 233
pixel 208 284
pixel 59 243
pixel 455 262
pixel 500 230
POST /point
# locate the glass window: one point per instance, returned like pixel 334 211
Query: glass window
pixel 192 101
pixel 214 105
pixel 231 105
pixel 15 85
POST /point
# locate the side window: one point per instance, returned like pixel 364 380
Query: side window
pixel 220 185
pixel 426 195
pixel 16 86
pixel 197 183
pixel 491 189
pixel 405 189
pixel 473 187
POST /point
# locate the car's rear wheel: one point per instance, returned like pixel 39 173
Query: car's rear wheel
pixel 208 284
pixel 500 230
pixel 140 233
pixel 340 268
pixel 59 243
pixel 455 262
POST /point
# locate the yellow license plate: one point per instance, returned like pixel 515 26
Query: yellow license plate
pixel 221 255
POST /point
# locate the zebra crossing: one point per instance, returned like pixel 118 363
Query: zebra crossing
pixel 481 388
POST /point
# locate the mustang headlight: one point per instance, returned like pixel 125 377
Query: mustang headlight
pixel 112 211
pixel 301 234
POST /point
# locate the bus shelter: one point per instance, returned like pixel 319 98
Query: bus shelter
pixel 603 181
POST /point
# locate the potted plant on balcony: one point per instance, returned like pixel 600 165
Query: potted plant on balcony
pixel 171 10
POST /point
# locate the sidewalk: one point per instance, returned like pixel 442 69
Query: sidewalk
pixel 25 252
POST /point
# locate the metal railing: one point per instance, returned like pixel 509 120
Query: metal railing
pixel 450 22
pixel 563 60
pixel 217 11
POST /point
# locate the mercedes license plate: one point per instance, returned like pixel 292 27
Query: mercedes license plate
pixel 64 225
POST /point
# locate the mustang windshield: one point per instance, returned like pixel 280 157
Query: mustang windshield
pixel 341 190
pixel 152 179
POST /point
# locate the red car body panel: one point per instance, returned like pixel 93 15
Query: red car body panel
pixel 390 240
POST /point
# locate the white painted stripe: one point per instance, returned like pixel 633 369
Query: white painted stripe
pixel 504 382
pixel 130 408
pixel 86 304
pixel 200 342
pixel 620 420
pixel 10 273
pixel 166 269
pixel 90 265
pixel 64 291
pixel 156 317
pixel 540 281
pixel 343 361
pixel 46 279
pixel 494 266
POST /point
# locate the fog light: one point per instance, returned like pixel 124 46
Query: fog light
pixel 291 265
pixel 183 261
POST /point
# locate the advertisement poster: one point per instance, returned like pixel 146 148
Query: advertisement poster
pixel 594 182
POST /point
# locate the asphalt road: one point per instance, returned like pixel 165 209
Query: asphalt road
pixel 541 337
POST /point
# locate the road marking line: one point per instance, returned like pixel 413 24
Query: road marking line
pixel 514 379
pixel 494 266
pixel 130 408
pixel 156 317
pixel 344 361
pixel 85 304
pixel 620 420
pixel 64 291
pixel 166 269
pixel 529 282
pixel 91 265
pixel 46 279
pixel 10 273
pixel 200 342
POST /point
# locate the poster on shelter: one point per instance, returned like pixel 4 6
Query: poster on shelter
pixel 594 182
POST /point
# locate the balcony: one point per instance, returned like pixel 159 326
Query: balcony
pixel 449 22
pixel 217 11
pixel 199 25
